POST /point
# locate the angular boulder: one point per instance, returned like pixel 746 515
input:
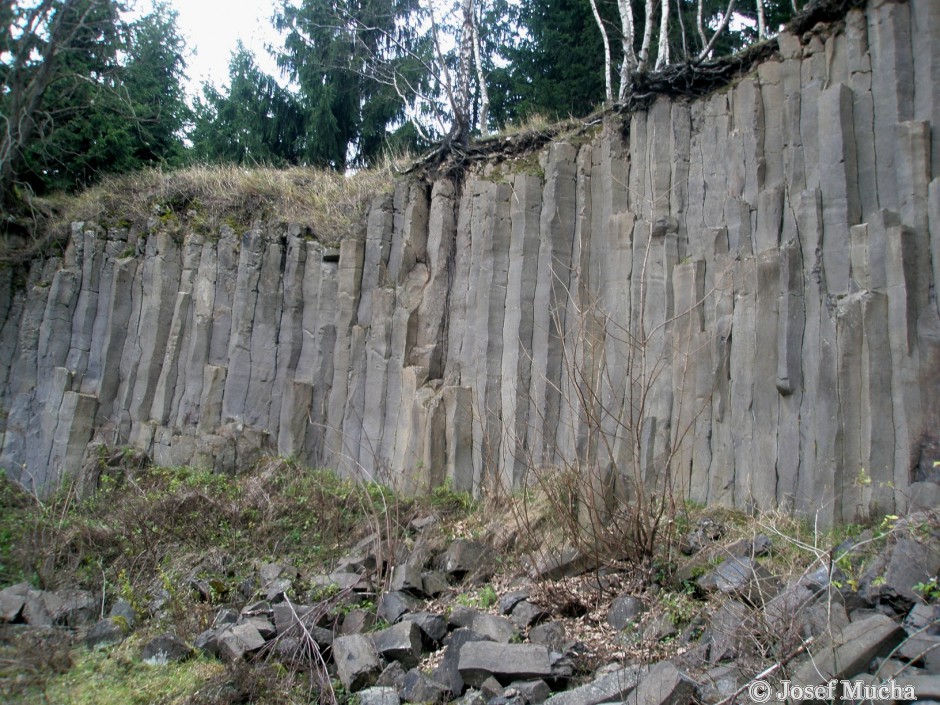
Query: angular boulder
pixel 550 634
pixel 420 688
pixel 378 695
pixel 164 649
pixel 565 562
pixel 744 578
pixel 463 557
pixel 611 687
pixel 12 602
pixel 624 611
pixel 447 671
pixel 505 662
pixel 407 578
pixel 237 642
pixel 532 692
pixel 849 651
pixel 401 642
pixel 433 626
pixel 107 632
pixel 496 628
pixel 394 604
pixel 434 583
pixel 357 662
pixel 905 564
pixel 663 685
pixel 526 613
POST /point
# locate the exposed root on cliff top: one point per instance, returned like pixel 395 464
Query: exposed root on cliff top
pixel 690 80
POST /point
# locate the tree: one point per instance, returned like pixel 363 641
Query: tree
pixel 690 31
pixel 557 69
pixel 153 82
pixel 358 64
pixel 255 122
pixel 86 92
pixel 52 49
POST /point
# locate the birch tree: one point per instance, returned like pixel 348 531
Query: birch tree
pixel 629 63
pixel 483 118
pixel 662 56
pixel 608 69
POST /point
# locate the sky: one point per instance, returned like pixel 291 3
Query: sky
pixel 213 27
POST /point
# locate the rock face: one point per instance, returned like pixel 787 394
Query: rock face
pixel 771 251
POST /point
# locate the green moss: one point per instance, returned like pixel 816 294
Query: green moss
pixel 118 678
pixel 444 497
pixel 528 164
pixel 483 599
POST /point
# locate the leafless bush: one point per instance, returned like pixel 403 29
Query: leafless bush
pixel 616 472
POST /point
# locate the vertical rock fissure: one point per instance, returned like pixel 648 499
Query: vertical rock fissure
pixel 800 204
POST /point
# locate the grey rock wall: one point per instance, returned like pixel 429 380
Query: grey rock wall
pixel 736 293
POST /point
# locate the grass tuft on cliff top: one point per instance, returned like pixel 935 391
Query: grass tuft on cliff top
pixel 203 198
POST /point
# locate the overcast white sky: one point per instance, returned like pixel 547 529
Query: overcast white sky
pixel 212 28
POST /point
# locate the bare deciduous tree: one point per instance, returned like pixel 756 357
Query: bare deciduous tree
pixel 38 42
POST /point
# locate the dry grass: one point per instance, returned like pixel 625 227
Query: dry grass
pixel 331 205
pixel 202 199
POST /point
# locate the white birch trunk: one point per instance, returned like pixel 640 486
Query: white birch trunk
pixel 662 55
pixel 647 37
pixel 699 25
pixel 608 79
pixel 629 63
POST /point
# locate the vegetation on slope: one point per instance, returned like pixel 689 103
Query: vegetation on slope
pixel 329 205
pixel 180 543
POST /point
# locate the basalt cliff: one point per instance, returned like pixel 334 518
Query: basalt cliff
pixel 738 290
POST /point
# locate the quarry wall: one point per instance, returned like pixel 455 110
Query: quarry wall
pixel 738 292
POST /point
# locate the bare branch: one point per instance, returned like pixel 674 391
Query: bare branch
pixel 721 28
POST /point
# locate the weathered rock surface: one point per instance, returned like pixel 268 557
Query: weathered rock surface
pixel 740 577
pixel 506 662
pixel 663 685
pixel 400 642
pixel 850 650
pixel 433 626
pixel 448 671
pixel 164 649
pixel 393 605
pixel 496 628
pixel 611 687
pixel 782 237
pixel 106 632
pixel 623 611
pixel 378 695
pixel 357 663
pixel 419 688
pixel 237 642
